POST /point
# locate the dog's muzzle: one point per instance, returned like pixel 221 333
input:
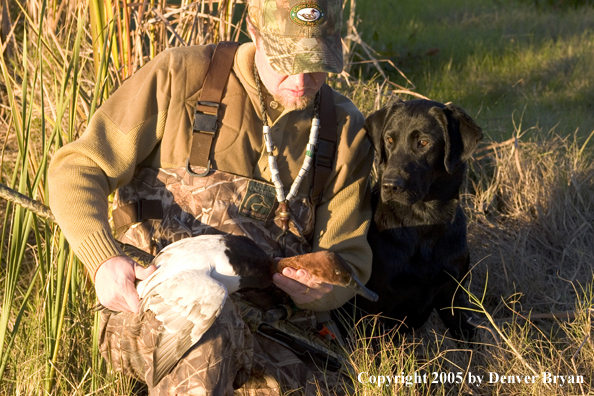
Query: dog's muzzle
pixel 397 188
pixel 391 185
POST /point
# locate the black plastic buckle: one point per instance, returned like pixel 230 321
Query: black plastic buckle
pixel 206 122
pixel 325 153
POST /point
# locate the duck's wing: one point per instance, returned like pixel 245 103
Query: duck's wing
pixel 188 253
pixel 187 303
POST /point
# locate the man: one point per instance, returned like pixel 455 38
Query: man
pixel 140 142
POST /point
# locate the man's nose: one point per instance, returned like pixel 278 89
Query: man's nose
pixel 300 80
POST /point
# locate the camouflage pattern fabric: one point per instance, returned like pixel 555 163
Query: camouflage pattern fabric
pixel 206 205
pixel 299 36
pixel 228 360
pixel 306 58
pixel 231 355
pixel 301 326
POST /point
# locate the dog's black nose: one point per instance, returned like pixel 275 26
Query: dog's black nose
pixel 393 184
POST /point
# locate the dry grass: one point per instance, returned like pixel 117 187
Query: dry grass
pixel 532 217
pixel 529 201
pixel 531 238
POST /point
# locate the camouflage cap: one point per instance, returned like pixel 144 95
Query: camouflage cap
pixel 299 36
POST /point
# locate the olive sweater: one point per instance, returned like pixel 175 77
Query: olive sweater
pixel 148 122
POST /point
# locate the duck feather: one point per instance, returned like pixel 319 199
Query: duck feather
pixel 184 297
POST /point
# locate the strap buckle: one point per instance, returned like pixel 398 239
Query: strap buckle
pixel 203 121
pixel 144 209
pixel 325 153
pixel 192 173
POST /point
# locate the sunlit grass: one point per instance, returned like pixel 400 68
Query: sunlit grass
pixel 493 58
pixel 520 71
pixel 45 301
pixel 517 356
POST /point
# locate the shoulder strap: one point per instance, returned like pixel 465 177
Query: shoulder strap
pixel 205 127
pixel 326 151
pixel 207 108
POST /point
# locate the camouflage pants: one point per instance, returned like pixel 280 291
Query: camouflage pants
pixel 228 359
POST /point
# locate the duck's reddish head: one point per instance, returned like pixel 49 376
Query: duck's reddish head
pixel 255 269
pixel 327 267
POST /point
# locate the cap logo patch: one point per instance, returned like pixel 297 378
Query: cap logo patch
pixel 307 14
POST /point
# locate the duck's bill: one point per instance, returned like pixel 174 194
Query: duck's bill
pixel 358 286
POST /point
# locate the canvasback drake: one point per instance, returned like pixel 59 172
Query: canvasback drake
pixel 195 275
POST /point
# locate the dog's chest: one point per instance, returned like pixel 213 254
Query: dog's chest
pixel 417 243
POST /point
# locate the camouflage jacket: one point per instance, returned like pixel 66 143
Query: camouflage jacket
pixel 147 123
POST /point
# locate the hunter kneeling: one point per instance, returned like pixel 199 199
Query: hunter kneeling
pixel 244 140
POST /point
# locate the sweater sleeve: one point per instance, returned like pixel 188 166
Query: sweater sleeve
pixel 123 132
pixel 342 220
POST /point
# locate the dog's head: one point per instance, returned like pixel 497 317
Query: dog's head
pixel 418 142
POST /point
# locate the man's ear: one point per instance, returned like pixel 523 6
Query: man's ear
pixel 461 134
pixel 375 124
pixel 253 32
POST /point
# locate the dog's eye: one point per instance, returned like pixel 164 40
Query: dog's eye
pixel 422 143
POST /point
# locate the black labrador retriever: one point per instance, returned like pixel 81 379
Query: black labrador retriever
pixel 418 234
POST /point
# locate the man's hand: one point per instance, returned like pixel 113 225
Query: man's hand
pixel 300 285
pixel 114 283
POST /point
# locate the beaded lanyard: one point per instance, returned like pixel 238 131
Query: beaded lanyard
pixel 283 200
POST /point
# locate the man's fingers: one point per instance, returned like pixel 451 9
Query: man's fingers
pixel 142 273
pixel 117 303
pixel 117 306
pixel 288 285
pixel 303 280
pixel 126 300
pixel 131 298
pixel 115 283
pixel 301 275
pixel 301 293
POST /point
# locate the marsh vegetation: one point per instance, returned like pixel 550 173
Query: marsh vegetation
pixel 523 69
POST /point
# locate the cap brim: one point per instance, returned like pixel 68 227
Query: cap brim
pixel 292 55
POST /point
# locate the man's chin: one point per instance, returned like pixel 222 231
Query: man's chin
pixel 293 103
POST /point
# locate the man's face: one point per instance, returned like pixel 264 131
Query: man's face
pixel 293 92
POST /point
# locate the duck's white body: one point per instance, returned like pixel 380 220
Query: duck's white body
pixel 187 293
pixel 195 275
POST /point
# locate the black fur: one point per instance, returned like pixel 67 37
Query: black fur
pixel 418 235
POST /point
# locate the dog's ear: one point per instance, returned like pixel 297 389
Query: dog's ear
pixel 375 124
pixel 461 134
